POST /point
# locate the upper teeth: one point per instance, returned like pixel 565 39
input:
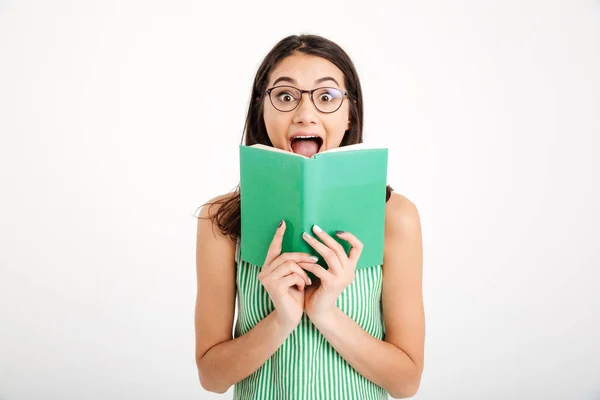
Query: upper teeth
pixel 305 137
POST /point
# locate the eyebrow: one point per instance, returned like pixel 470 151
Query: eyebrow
pixel 292 80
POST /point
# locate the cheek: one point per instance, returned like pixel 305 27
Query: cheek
pixel 338 125
pixel 270 120
pixel 275 123
pixel 342 116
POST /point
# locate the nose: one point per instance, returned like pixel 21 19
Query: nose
pixel 306 111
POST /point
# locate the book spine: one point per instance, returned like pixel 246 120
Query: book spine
pixel 311 193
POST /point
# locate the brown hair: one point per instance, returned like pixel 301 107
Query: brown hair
pixel 228 215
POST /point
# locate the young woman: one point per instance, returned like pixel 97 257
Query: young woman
pixel 350 334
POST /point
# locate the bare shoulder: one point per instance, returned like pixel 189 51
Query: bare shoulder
pixel 213 205
pixel 212 245
pixel 401 216
pixel 402 237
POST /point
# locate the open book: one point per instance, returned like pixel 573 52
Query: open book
pixel 338 189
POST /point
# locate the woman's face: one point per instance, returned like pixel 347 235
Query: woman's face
pixel 306 72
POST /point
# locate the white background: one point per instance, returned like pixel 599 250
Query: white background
pixel 119 118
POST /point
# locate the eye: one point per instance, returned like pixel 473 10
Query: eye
pixel 328 95
pixel 325 98
pixel 286 97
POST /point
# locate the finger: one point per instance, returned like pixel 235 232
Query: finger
pixel 290 267
pixel 332 260
pixel 357 246
pixel 330 242
pixel 291 280
pixel 296 257
pixel 275 246
pixel 283 258
pixel 320 272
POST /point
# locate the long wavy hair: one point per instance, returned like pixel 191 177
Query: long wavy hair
pixel 228 215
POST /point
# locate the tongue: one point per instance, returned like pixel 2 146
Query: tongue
pixel 306 147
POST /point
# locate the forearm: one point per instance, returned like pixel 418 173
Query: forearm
pixel 380 362
pixel 230 362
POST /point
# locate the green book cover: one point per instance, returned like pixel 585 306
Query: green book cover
pixel 338 189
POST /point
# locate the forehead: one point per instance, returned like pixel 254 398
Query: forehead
pixel 306 69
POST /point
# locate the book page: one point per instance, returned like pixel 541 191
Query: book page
pixel 357 146
pixel 264 147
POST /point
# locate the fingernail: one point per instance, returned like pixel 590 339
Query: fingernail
pixel 306 235
pixel 315 259
pixel 280 223
pixel 339 232
pixel 309 281
pixel 318 228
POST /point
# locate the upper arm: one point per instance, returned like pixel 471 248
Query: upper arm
pixel 215 273
pixel 402 295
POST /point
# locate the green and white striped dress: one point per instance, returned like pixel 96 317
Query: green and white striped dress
pixel 306 366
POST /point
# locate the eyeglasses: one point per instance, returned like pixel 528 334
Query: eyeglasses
pixel 325 99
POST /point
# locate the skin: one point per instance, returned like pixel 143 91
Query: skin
pixel 305 70
pixel 395 363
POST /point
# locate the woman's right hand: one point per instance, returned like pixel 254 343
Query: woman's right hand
pixel 284 279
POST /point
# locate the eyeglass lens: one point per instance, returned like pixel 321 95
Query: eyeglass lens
pixel 286 98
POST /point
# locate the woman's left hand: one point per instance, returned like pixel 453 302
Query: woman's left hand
pixel 319 299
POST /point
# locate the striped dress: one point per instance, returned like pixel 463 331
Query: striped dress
pixel 306 366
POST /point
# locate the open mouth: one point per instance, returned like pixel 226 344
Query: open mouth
pixel 306 146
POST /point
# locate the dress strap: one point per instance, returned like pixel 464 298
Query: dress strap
pixel 238 249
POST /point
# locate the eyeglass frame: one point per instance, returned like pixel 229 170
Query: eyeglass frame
pixel 310 92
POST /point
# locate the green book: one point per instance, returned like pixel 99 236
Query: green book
pixel 338 189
